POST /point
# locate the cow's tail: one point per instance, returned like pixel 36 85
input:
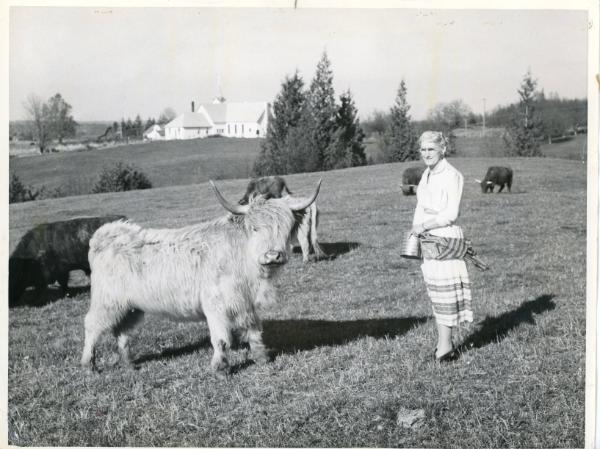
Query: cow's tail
pixel 314 222
pixel 117 233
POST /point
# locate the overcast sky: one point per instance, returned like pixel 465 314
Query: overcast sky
pixel 118 62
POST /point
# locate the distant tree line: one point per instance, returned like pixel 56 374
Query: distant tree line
pixel 396 133
pixel 52 121
pixel 557 115
pixel 135 128
pixel 534 118
pixel 309 129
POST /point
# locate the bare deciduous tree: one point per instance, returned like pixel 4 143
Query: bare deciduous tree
pixel 38 113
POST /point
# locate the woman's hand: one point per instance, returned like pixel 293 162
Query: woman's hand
pixel 418 229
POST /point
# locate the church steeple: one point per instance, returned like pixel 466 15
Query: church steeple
pixel 219 98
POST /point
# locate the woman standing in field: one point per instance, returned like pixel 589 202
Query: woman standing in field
pixel 444 271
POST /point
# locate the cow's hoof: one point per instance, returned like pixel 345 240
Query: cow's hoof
pixel 221 368
pixel 224 373
pixel 127 364
pixel 88 369
pixel 261 358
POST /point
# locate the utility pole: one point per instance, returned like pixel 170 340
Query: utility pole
pixel 483 116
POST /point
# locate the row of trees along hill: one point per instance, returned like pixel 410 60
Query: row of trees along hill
pixel 135 128
pixel 50 120
pixel 309 130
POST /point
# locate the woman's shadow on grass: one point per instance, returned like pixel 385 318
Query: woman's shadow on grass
pixel 494 329
pixel 290 336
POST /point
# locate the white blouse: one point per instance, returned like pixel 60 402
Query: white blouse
pixel 438 197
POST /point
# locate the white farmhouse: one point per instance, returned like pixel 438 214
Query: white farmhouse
pixel 189 125
pixel 221 118
pixel 154 132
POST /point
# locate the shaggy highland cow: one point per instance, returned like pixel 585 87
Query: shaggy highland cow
pixel 220 271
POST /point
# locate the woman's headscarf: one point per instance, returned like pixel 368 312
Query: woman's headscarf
pixel 435 138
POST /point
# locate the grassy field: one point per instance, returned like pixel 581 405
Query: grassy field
pixel 351 336
pixel 193 161
pixel 166 163
pixel 575 148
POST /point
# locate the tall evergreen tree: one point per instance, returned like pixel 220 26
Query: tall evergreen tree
pixel 300 142
pixel 322 108
pixel 399 140
pixel 346 148
pixel 526 126
pixel 129 132
pixel 287 110
pixel 149 123
pixel 138 126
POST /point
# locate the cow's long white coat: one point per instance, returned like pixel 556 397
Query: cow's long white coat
pixel 215 271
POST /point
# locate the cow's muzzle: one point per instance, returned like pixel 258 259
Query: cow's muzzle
pixel 273 257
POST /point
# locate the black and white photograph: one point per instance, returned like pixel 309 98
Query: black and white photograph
pixel 301 224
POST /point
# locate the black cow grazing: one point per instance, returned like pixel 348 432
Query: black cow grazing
pixel 269 186
pixel 410 179
pixel 496 176
pixel 48 252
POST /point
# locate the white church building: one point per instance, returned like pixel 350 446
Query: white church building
pixel 220 118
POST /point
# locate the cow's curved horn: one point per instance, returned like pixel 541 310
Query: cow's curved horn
pixel 236 209
pixel 478 181
pixel 304 203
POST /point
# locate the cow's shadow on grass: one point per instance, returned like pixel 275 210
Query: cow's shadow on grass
pixel 331 249
pixel 170 353
pixel 290 336
pixel 495 329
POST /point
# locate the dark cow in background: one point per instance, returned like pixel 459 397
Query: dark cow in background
pixel 410 179
pixel 496 176
pixel 219 271
pixel 49 251
pixel 307 220
pixel 269 186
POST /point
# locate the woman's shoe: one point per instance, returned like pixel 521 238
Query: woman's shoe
pixel 450 356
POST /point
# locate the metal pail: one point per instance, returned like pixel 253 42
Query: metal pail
pixel 411 248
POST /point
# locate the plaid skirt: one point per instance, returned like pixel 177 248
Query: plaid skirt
pixel 449 289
